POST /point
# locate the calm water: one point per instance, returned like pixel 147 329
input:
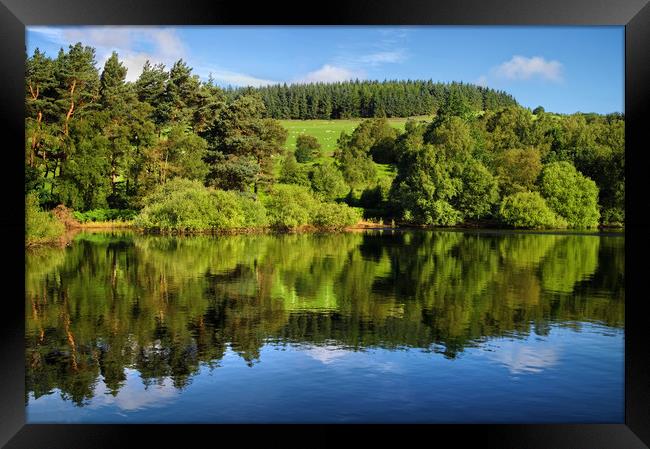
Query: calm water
pixel 355 327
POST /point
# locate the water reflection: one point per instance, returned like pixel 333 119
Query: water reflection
pixel 114 305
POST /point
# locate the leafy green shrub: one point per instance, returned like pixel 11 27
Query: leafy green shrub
pixel 327 181
pixel 290 206
pixel 307 148
pixel 292 172
pixel 189 207
pixel 40 226
pixel 441 213
pixel 228 211
pixel 376 198
pixel 613 216
pixel 254 211
pixel 529 210
pixel 479 191
pixel 335 216
pixel 105 215
pixel 570 194
pixel 182 205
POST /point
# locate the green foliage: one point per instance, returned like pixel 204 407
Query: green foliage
pixel 570 194
pixel 479 191
pixel 241 139
pixel 179 205
pixel 307 148
pixel 291 172
pixel 327 181
pixel 439 213
pixel 424 186
pixel 186 206
pixel 374 138
pixel 182 155
pixel 403 98
pixel 228 213
pixel 105 215
pixel 40 227
pixel 518 169
pixel 232 172
pixel 376 197
pixel 290 206
pixel 358 171
pixel 254 212
pixel 335 216
pixel 529 210
pixel 452 137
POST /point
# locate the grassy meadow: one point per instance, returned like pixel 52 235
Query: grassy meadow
pixel 328 131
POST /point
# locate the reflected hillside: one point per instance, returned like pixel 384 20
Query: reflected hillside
pixel 165 305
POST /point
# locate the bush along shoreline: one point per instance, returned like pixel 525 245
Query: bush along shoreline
pixel 41 227
pixel 566 200
pixel 184 206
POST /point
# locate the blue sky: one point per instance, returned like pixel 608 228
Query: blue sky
pixel 563 69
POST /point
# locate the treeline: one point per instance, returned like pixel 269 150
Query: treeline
pixel 394 98
pixel 512 166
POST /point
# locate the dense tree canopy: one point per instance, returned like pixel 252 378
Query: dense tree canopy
pixel 307 148
pixel 389 98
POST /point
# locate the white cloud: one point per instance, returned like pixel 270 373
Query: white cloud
pixel 383 57
pixel 52 34
pixel 227 77
pixel 165 45
pixel 482 81
pixel 133 63
pixel 98 37
pixel 523 68
pixel 330 74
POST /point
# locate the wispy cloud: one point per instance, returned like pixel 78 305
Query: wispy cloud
pixel 329 73
pixel 227 77
pixel 163 44
pixel 523 68
pixel 383 57
pixel 388 47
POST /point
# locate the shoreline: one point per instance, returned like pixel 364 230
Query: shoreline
pixel 486 228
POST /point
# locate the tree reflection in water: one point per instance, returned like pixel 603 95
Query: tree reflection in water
pixel 114 302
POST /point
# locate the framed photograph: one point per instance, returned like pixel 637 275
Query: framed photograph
pixel 378 219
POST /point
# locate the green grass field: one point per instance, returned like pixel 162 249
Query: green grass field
pixel 328 131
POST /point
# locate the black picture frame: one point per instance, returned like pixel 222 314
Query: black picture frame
pixel 15 15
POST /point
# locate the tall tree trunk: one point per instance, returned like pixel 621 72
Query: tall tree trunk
pixel 35 138
pixel 71 110
pixel 34 94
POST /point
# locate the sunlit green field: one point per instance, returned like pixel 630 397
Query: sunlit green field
pixel 328 131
